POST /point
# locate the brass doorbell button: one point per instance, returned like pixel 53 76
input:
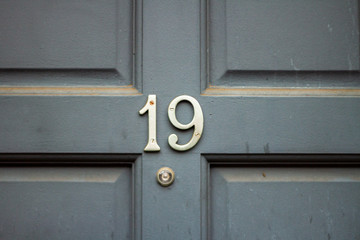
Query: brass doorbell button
pixel 165 176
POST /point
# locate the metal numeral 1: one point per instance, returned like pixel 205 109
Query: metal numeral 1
pixel 150 107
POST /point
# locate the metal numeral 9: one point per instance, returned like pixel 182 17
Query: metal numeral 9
pixel 197 122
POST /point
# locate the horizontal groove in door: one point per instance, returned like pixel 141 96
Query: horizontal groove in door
pixel 60 174
pixel 287 174
pixel 287 83
pixel 69 91
pixel 304 79
pixel 62 77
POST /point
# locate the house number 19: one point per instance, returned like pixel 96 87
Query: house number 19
pixel 197 122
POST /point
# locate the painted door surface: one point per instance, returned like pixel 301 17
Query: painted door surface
pixel 277 81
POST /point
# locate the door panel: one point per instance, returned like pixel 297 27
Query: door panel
pixel 77 103
pixel 67 43
pixel 277 196
pixel 53 34
pixel 285 36
pixel 281 44
pixel 86 202
pixel 284 202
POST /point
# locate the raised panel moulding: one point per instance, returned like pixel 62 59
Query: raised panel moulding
pixel 279 48
pixel 239 187
pixel 79 45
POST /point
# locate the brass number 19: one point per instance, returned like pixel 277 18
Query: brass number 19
pixel 197 122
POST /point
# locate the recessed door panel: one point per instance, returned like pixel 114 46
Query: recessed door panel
pixel 284 203
pixel 66 42
pixel 302 44
pixel 65 203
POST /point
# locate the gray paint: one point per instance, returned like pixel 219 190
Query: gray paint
pixel 62 77
pixel 170 42
pixel 52 35
pixel 82 31
pixel 65 202
pixel 281 36
pixel 284 203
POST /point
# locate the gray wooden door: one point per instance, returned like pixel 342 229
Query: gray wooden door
pixel 278 82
